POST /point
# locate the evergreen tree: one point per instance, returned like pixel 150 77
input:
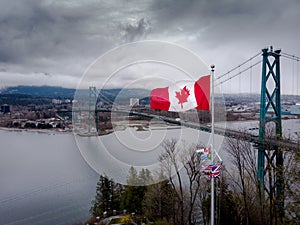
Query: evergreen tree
pixel 227 205
pixel 159 201
pixel 108 195
pixel 135 190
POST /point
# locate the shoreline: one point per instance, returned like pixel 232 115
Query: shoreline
pixel 44 131
pixel 103 133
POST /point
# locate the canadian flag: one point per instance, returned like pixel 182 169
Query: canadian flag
pixel 182 96
pixel 203 150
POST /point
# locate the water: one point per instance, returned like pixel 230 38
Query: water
pixel 115 153
pixel 43 179
pixel 290 127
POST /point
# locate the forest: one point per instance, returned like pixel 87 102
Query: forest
pixel 179 193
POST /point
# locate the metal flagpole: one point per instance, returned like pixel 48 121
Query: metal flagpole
pixel 212 210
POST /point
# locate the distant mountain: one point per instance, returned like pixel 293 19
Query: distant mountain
pixel 41 91
pixel 122 96
pixel 119 96
pixel 22 99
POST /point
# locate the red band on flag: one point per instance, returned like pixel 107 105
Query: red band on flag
pixel 202 93
pixel 159 98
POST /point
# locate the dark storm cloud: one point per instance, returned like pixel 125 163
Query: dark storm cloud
pixel 136 30
pixel 33 28
pixel 228 32
pixel 62 38
pixel 227 21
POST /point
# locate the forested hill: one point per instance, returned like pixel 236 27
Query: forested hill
pixel 40 91
pixel 111 95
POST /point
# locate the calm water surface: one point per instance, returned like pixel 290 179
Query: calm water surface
pixel 43 179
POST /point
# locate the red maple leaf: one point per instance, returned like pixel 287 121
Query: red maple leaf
pixel 182 95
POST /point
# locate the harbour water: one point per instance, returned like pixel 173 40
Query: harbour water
pixel 45 178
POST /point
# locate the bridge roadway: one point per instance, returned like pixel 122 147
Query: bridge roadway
pixel 283 143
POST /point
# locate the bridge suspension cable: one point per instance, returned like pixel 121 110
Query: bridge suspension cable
pixel 290 56
pixel 104 98
pixel 240 72
pixel 237 67
pixel 294 73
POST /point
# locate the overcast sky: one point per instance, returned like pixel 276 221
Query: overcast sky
pixel 48 42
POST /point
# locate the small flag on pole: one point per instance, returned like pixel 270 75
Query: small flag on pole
pixel 215 171
pixel 206 154
pixel 203 150
pixel 212 170
pixel 205 170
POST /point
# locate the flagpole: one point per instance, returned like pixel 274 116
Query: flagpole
pixel 212 210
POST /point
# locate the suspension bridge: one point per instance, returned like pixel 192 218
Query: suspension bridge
pixel 264 67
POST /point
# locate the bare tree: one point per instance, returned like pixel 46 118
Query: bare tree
pixel 243 158
pixel 171 164
pixel 191 162
pixel 186 182
pixel 292 186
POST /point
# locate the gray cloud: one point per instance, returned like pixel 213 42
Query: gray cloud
pixel 136 29
pixel 62 38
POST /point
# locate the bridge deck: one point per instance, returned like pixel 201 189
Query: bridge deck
pixel 287 144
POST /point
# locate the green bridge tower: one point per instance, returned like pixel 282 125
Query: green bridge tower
pixel 270 101
pixel 92 104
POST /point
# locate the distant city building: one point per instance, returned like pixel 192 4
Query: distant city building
pixel 5 108
pixel 134 101
pixel 56 101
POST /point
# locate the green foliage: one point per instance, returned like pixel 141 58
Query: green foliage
pixel 228 205
pixel 125 219
pixel 225 204
pixel 159 201
pixel 115 221
pixel 135 190
pixel 108 196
